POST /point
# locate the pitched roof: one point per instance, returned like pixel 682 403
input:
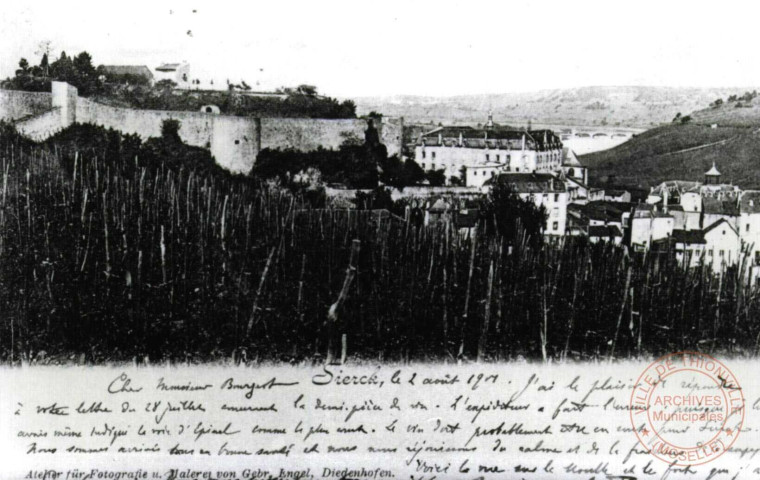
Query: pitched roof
pixel 677 185
pixel 168 67
pixel 717 206
pixel 717 224
pixel 713 172
pixel 577 182
pixel 529 182
pixel 492 137
pixel 137 70
pixel 602 210
pixel 569 159
pixel 688 236
pixel 604 231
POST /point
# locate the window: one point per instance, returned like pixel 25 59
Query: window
pixel 424 154
pixel 423 166
pixel 486 157
pixel 237 142
pixel 722 254
pixel 748 227
pixel 555 225
pixel 433 155
pixel 556 197
pixel 497 158
pixel 709 253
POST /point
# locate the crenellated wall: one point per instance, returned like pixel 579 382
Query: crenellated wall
pixel 234 141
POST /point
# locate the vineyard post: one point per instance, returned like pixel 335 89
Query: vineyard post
pixel 332 313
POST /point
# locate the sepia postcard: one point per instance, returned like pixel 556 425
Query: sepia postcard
pixel 346 240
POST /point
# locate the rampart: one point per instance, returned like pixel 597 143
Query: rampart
pixel 39 127
pixel 15 104
pixel 234 141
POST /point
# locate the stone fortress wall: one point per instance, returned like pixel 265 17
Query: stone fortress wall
pixel 234 141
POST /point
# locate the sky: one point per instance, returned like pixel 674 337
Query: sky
pixel 388 47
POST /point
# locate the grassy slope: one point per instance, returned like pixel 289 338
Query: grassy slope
pixel 729 114
pixel 650 157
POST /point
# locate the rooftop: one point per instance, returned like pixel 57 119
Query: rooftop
pixel 529 182
pixel 604 231
pixel 168 67
pixel 717 206
pixel 688 236
pixel 493 137
pixel 137 70
pixel 713 172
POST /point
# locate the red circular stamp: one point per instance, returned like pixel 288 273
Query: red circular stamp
pixel 687 408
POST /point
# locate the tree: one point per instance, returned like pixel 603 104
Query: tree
pixel 685 120
pixel 45 65
pixel 23 65
pixel 166 84
pixel 507 215
pixel 436 178
pixel 44 48
pixel 170 130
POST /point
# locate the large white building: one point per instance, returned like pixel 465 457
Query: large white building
pixel 474 155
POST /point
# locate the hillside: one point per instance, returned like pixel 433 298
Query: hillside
pixel 680 152
pixel 614 106
pixel 743 112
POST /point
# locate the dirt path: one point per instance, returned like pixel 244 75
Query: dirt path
pixel 699 147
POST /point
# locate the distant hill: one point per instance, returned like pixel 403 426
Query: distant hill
pixel 680 152
pixel 586 106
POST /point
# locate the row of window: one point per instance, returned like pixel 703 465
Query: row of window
pixel 544 196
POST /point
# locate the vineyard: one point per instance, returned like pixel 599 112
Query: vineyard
pixel 112 260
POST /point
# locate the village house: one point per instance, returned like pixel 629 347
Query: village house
pixel 649 223
pixel 598 220
pixel 749 223
pixel 178 73
pixel 543 189
pixel 609 234
pixel 718 246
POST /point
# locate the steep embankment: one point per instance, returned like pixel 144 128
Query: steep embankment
pixel 680 152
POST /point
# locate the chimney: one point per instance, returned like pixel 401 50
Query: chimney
pixel 440 138
pixel 665 195
pixel 523 142
pixel 460 139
